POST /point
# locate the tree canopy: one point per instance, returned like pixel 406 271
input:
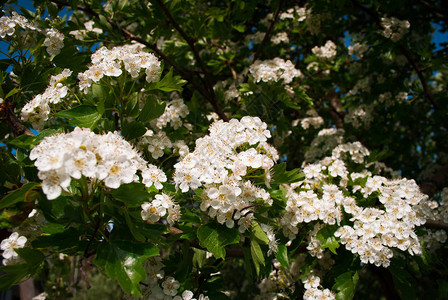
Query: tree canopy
pixel 224 149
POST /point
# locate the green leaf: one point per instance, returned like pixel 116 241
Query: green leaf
pixel 152 109
pixel 215 237
pixel 132 228
pixel 247 263
pixel 259 234
pixel 18 195
pixel 257 255
pixel 403 280
pixel 12 92
pixel 71 58
pixel 133 130
pixel 132 194
pixel 345 284
pixel 15 273
pixel 59 241
pixel 282 256
pixel 239 27
pixel 82 116
pixel 199 257
pixel 47 132
pixel 23 141
pixel 281 176
pixel 170 83
pixel 189 216
pixel 104 23
pixel 101 94
pixel 32 257
pixel 327 238
pixel 122 260
pixel 132 105
pixel 300 95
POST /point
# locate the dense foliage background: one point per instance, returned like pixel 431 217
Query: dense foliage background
pixel 224 149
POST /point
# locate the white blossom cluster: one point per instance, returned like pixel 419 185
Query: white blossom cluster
pixel 362 85
pixel 274 70
pixel 174 111
pixel 81 33
pixel 313 120
pixel 155 143
pixel 359 115
pixel 14 241
pixel 107 62
pixel 159 207
pixel 330 189
pixel 106 157
pixel 296 12
pixel 326 140
pixel 389 100
pixel 394 28
pixel 358 50
pixel 41 296
pixel 255 38
pixel 276 286
pixel 281 37
pixel 54 40
pixel 281 282
pixel 37 110
pixel 327 51
pixel 8 24
pixel 314 290
pixel 160 287
pixel 219 163
pixel 436 210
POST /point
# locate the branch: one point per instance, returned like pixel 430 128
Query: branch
pixel 438 11
pixel 436 182
pixel 420 77
pixel 337 110
pixel 268 32
pixel 14 124
pixel 433 224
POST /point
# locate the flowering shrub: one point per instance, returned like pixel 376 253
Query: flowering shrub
pixel 224 150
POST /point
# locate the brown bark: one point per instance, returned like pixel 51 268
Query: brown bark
pixel 27 291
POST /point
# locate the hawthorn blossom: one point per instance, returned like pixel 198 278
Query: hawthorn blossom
pixel 109 158
pixel 14 241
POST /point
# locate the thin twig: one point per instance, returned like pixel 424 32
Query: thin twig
pixel 268 32
pixel 420 76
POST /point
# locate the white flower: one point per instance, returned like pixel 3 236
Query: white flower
pixel 170 286
pixel 328 51
pixel 14 241
pixel 153 175
pixel 274 70
pixel 53 182
pixel 54 41
pixel 152 212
